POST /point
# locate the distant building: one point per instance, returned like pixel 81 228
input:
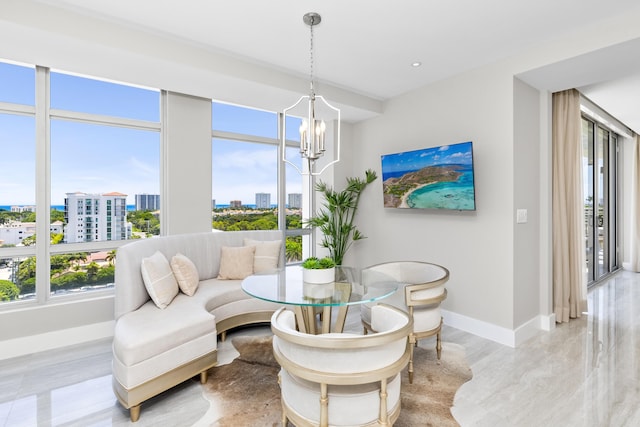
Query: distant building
pixel 235 203
pixel 295 200
pixel 56 227
pixel 95 217
pixel 23 208
pixel 15 231
pixel 263 200
pixel 147 202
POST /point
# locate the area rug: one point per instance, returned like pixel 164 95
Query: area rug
pixel 246 392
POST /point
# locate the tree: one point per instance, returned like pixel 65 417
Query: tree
pixel 144 221
pixel 28 217
pixel 27 270
pixel 57 215
pixel 92 269
pixel 29 241
pixel 111 257
pixel 56 238
pixel 8 290
pixel 293 248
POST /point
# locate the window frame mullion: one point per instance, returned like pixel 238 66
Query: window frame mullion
pixel 43 185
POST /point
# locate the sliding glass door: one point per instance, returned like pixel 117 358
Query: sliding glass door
pixel 600 161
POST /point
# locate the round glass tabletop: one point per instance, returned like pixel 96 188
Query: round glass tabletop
pixel 287 287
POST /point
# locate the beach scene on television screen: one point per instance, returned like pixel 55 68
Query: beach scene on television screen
pixel 431 178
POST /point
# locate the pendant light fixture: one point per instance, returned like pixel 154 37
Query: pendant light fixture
pixel 318 118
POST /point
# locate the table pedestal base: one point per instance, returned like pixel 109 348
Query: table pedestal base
pixel 308 322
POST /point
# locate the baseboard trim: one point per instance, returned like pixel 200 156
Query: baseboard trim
pixel 55 339
pixel 527 330
pixel 548 322
pixel 499 334
pixel 480 328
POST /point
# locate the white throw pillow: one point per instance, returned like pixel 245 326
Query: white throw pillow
pixel 236 262
pixel 159 280
pixel 186 273
pixel 266 256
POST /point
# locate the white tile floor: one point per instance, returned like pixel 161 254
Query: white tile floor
pixel 585 373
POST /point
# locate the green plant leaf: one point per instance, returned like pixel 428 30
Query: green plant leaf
pixel 336 217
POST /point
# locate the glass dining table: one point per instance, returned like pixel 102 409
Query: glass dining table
pixel 312 302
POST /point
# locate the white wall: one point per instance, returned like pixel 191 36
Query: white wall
pixel 29 329
pixel 477 247
pixel 186 159
pixel 526 245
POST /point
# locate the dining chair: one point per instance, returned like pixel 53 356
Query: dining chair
pixel 342 378
pixel 421 292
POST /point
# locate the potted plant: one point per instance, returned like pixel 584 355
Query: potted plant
pixel 318 270
pixel 335 218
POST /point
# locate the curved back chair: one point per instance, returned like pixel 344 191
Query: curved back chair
pixel 342 379
pixel 424 290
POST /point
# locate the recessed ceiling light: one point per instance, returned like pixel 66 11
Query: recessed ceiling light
pixel 416 64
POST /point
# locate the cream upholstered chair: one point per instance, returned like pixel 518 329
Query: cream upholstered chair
pixel 342 379
pixel 422 291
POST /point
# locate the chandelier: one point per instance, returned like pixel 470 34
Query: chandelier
pixel 318 116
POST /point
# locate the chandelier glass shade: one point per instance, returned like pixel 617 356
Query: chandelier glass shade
pixel 319 118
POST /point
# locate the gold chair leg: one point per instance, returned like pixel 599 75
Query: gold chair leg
pixel 284 412
pixel 383 418
pixel 438 345
pixel 412 344
pixel 134 413
pixel 324 406
pixel 203 377
pixel 223 336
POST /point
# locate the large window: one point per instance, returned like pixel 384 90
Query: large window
pixel 105 150
pixel 246 171
pixel 82 176
pixel 17 84
pixel 102 149
pixel 17 179
pixel 600 164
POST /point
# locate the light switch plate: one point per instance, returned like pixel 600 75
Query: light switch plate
pixel 521 216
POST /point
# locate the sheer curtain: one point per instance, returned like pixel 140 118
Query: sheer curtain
pixel 634 249
pixel 569 282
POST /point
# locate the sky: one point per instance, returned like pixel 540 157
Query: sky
pixel 100 159
pixel 461 153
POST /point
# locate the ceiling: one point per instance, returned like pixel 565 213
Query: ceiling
pixel 368 46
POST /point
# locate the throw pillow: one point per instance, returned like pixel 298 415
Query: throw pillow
pixel 266 256
pixel 236 262
pixel 158 279
pixel 186 273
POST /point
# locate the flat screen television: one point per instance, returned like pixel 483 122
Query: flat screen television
pixel 431 178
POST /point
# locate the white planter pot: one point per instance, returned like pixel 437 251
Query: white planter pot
pixel 325 275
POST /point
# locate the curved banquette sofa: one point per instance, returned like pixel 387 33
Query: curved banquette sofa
pixel 174 295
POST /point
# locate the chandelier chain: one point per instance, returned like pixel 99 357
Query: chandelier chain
pixel 311 58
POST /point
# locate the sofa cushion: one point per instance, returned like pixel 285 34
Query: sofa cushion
pixel 267 254
pixel 186 273
pixel 158 279
pixel 143 334
pixel 236 262
pixel 130 376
